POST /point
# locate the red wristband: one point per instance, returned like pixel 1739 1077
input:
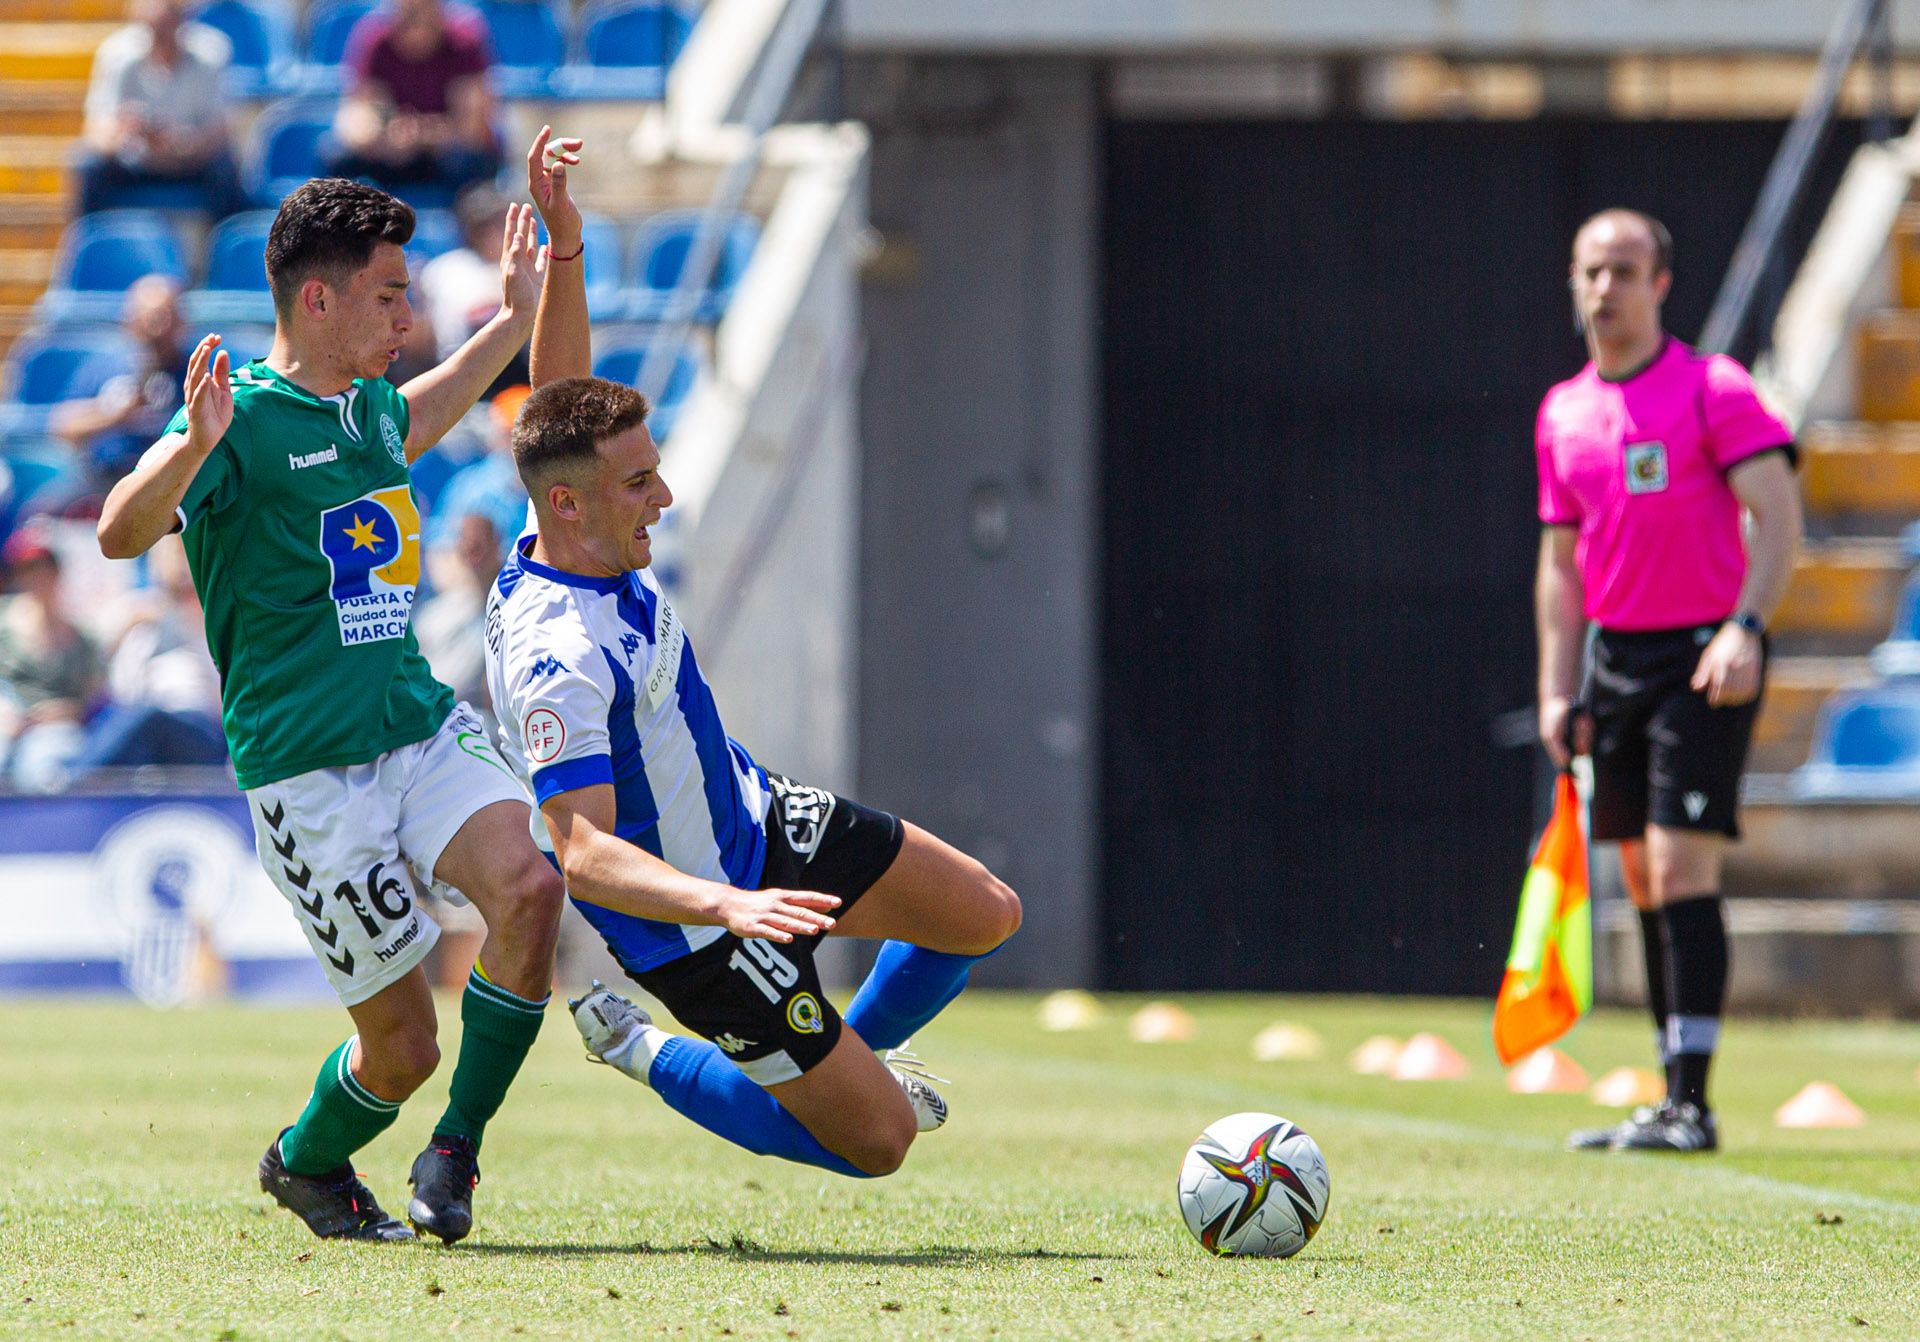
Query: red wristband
pixel 572 256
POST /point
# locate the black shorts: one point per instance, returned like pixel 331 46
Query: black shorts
pixel 760 1001
pixel 1662 755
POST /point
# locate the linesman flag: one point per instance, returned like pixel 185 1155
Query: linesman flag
pixel 1549 980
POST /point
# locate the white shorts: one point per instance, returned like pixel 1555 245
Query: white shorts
pixel 350 848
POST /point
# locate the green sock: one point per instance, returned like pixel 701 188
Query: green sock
pixel 498 1029
pixel 341 1117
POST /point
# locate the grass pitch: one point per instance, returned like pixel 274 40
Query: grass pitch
pixel 1045 1209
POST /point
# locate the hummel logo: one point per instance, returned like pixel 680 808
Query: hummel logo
pixel 546 666
pixel 730 1043
pixel 312 459
pixel 1696 804
pixel 629 644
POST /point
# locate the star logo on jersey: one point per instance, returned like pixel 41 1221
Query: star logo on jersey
pixel 546 666
pixel 1257 1172
pixel 372 546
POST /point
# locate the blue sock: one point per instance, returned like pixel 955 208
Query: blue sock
pixel 699 1081
pixel 908 987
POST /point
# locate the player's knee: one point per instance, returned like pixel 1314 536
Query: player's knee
pixel 882 1148
pixel 532 894
pixel 395 1066
pixel 997 915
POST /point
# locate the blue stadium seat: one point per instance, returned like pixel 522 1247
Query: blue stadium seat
pixel 622 48
pixel 659 254
pixel 620 353
pixel 329 24
pixel 435 232
pixel 528 45
pixel 235 289
pixel 100 257
pixel 285 149
pixel 243 341
pixel 46 367
pixel 1866 743
pixel 1899 656
pixel 262 41
pixel 28 466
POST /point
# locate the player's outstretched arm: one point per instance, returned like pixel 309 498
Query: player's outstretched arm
pixel 562 333
pixel 440 396
pixel 604 869
pixel 142 507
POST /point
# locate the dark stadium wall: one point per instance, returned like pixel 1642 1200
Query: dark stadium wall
pixel 1323 346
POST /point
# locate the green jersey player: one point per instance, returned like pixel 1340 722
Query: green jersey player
pixel 366 781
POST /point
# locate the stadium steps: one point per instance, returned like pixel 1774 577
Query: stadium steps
pixel 43 107
pixel 1796 687
pixel 50 51
pixel 1862 478
pixel 63 11
pixel 23 275
pixel 1841 599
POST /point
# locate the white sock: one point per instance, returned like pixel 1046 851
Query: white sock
pixel 635 1057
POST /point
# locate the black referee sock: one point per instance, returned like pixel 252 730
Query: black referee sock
pixel 1696 937
pixel 1653 944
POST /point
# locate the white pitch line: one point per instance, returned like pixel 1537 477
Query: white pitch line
pixel 1467 1134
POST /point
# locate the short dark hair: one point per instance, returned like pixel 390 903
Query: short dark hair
pixel 1662 239
pixel 564 422
pixel 327 229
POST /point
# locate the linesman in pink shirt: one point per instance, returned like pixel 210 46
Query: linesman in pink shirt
pixel 1648 458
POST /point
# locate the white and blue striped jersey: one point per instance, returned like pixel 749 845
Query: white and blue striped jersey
pixel 594 682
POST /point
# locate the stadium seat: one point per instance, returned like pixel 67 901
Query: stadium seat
pixel 1899 656
pixel 262 43
pixel 659 254
pixel 1866 744
pixel 622 48
pixel 285 150
pixel 243 341
pixel 235 288
pixel 100 257
pixel 528 45
pixel 621 353
pixel 28 466
pixel 329 23
pixel 46 367
pixel 435 232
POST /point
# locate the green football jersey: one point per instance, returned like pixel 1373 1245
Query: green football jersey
pixel 304 540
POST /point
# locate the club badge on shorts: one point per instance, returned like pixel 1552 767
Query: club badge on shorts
pixel 1646 468
pixel 803 1014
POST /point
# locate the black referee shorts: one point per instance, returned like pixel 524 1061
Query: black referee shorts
pixel 1662 755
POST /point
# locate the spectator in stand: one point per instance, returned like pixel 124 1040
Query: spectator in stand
pixel 166 692
pixel 109 431
pixel 451 624
pixel 418 109
pixel 49 669
pixel 462 287
pixel 155 113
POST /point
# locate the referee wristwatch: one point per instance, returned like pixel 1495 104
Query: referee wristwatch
pixel 1748 620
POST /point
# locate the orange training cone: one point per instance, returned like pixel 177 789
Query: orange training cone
pixel 1546 1071
pixel 1819 1105
pixel 1161 1023
pixel 1428 1057
pixel 1624 1087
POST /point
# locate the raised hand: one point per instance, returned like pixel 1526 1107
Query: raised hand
pixel 778 915
pixel 547 164
pixel 209 394
pixel 523 266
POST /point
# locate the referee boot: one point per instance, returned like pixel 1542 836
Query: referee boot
pixel 335 1205
pixel 1684 1128
pixel 443 1179
pixel 1608 1138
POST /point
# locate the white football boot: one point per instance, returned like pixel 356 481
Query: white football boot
pixel 613 1029
pixel 929 1106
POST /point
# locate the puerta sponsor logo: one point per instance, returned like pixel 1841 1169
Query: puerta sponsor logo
pixel 372 546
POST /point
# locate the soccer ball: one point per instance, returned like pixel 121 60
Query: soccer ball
pixel 1254 1185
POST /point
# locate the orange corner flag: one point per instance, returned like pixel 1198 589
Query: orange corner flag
pixel 1549 980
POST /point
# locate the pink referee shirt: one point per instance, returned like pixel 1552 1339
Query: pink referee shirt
pixel 1641 467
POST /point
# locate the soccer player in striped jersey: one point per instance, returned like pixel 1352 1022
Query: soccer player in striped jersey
pixel 708 876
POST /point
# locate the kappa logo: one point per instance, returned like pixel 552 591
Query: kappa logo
pixel 546 666
pixel 1696 804
pixel 804 814
pixel 629 644
pixel 733 1043
pixel 373 547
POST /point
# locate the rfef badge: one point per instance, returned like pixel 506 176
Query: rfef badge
pixel 1646 468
